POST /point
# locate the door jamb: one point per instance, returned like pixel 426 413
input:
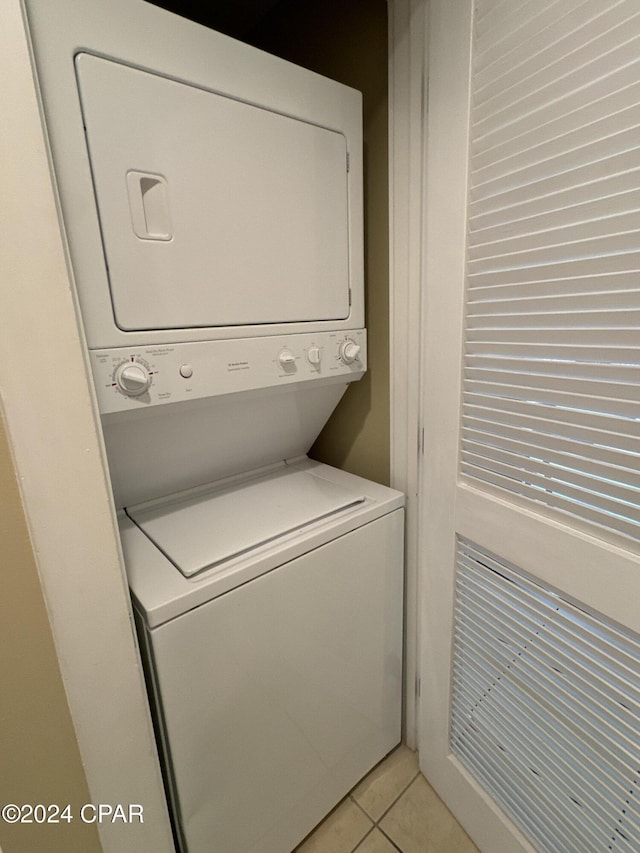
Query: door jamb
pixel 408 91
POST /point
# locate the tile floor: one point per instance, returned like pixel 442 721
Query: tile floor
pixel 393 809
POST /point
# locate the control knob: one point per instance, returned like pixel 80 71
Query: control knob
pixel 314 356
pixel 132 378
pixel 349 351
pixel 287 359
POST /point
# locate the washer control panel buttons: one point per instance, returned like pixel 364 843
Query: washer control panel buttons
pixel 132 378
pixel 349 351
pixel 314 356
pixel 287 360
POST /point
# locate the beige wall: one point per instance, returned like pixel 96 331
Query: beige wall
pixel 39 757
pixel 348 42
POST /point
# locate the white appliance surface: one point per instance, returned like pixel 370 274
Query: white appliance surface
pixel 161 592
pixel 209 190
pixel 212 409
pixel 213 212
pixel 277 694
pixel 202 530
pixel 201 369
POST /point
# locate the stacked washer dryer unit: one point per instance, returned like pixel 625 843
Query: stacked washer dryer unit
pixel 212 199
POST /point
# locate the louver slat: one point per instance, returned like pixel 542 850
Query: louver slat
pixel 510 425
pixel 605 192
pixel 585 230
pixel 512 69
pixel 551 397
pixel 477 441
pixel 526 660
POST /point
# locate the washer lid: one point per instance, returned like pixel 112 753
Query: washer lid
pixel 204 529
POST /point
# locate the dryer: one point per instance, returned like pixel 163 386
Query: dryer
pixel 211 197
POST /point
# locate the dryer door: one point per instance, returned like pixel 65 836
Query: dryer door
pixel 214 212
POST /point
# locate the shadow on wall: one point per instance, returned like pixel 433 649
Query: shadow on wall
pixel 348 42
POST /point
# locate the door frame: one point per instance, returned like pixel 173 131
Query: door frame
pixel 408 101
pixel 411 349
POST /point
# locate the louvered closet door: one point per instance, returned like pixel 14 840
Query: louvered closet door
pixel 530 654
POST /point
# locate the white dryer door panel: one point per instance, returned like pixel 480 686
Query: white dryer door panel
pixel 278 697
pixel 213 212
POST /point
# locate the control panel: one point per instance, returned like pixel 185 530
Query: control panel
pixel 127 379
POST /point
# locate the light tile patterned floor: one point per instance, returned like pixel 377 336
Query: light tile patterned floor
pixel 393 809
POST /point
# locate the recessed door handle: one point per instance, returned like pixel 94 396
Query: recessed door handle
pixel 149 205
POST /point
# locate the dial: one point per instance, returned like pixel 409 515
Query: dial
pixel 349 351
pixel 286 359
pixel 314 356
pixel 132 378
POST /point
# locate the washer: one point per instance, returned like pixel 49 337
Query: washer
pixel 211 197
pixel 273 651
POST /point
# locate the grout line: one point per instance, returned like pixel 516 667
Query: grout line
pixel 376 823
pixel 386 812
pixel 356 803
pixel 362 840
pixel 390 840
pixel 402 792
pixel 373 821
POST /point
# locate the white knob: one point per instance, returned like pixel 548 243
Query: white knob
pixel 133 379
pixel 349 351
pixel 286 358
pixel 314 355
